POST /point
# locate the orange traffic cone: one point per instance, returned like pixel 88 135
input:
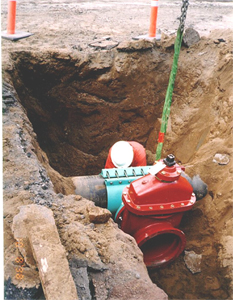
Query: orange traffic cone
pixel 153 18
pixel 10 33
pixel 153 34
pixel 11 17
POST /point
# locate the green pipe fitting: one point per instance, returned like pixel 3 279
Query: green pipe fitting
pixel 116 180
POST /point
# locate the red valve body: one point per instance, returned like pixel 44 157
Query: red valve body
pixel 152 211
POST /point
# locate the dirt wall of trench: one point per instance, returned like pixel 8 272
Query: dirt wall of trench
pixel 80 104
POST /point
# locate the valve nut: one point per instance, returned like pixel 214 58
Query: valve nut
pixel 170 160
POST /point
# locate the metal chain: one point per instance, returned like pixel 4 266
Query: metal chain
pixel 182 18
pixel 168 98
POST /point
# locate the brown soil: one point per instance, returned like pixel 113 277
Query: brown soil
pixel 81 98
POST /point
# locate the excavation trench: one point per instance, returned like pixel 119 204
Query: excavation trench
pixel 79 108
pixel 79 105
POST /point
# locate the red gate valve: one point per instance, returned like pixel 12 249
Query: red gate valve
pixel 153 209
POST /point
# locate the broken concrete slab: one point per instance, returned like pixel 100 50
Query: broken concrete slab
pixel 52 263
pixel 28 217
pixel 38 241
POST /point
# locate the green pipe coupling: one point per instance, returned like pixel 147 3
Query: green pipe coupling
pixel 116 180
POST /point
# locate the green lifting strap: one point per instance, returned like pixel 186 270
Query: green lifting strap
pixel 168 97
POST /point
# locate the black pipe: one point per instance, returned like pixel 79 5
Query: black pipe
pixel 92 188
pixel 200 188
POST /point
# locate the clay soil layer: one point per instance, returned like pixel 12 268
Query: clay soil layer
pixel 80 83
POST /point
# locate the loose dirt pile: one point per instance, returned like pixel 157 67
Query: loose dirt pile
pixel 85 87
